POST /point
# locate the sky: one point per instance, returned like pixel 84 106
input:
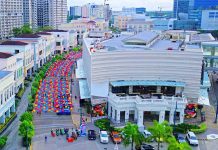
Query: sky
pixel 118 4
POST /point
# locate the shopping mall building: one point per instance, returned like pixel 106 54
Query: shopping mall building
pixel 147 76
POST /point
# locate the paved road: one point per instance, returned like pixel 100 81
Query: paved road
pixel 14 140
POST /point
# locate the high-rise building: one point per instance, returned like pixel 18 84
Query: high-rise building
pixel 203 4
pixel 51 13
pixel 76 11
pixel 30 13
pixel 180 6
pixel 11 16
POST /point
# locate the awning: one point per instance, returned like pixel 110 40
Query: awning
pixel 98 100
pixel 84 89
pixel 147 83
pixel 80 73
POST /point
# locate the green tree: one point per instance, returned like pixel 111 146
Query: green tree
pixel 160 131
pixel 26 29
pixel 16 31
pixel 132 135
pixel 26 129
pixel 174 144
pixel 26 116
pixel 3 141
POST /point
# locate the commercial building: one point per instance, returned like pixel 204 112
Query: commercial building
pixel 75 11
pixel 180 6
pixel 11 16
pixel 30 13
pixel 51 13
pixel 138 25
pixel 121 21
pixel 23 51
pixel 162 24
pixel 9 62
pixel 209 20
pixel 142 76
pixel 7 95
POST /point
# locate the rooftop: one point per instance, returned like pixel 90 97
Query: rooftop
pixel 43 33
pixel 56 30
pixel 5 55
pixel 206 37
pixel 166 45
pixel 28 36
pixel 14 43
pixel 4 73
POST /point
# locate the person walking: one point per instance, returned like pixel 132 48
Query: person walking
pixel 46 139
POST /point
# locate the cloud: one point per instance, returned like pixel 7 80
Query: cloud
pixel 118 4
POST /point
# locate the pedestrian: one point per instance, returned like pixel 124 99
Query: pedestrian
pixel 46 139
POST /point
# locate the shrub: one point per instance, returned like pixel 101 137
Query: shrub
pixel 184 128
pixel 30 107
pixel 103 124
pixel 26 116
pixel 3 141
pixel 20 92
pixel 203 128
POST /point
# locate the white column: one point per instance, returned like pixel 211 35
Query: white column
pixel 181 116
pixel 158 89
pixel 161 116
pixel 13 108
pixel 140 119
pixel 135 115
pixel 2 118
pixel 8 113
pixel 109 110
pixel 171 117
pixel 118 116
pixel 113 113
pixel 126 115
pixel 130 89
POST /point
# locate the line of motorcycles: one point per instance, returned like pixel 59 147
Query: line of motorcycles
pixel 65 131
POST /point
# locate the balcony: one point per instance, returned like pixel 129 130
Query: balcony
pixel 143 101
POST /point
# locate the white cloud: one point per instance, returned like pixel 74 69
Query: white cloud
pixel 118 4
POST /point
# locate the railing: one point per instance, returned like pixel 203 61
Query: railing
pixel 139 100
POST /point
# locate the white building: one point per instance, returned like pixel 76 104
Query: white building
pixel 142 75
pixel 51 13
pixel 163 24
pixel 138 25
pixel 209 20
pixel 23 51
pixel 30 13
pixel 9 62
pixel 7 94
pixel 11 16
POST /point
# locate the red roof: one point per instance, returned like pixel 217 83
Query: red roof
pixel 28 36
pixel 56 30
pixel 44 33
pixel 13 43
pixel 5 55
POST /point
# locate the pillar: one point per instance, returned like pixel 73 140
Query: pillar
pixel 126 115
pixel 135 115
pixel 140 120
pixel 8 113
pixel 130 89
pixel 118 116
pixel 158 89
pixel 113 114
pixel 109 110
pixel 171 121
pixel 13 108
pixel 181 116
pixel 2 119
pixel 161 116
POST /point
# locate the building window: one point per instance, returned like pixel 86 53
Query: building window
pixel 16 51
pixel 58 43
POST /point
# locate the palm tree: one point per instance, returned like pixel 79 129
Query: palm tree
pixel 132 135
pixel 174 144
pixel 160 131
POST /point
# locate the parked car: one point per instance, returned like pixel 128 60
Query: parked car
pixel 116 138
pixel 181 139
pixel 148 135
pixel 146 147
pixel 91 135
pixel 191 138
pixel 104 137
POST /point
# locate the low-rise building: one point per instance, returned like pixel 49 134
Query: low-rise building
pixel 138 25
pixel 10 62
pixel 209 20
pixel 7 94
pixel 142 76
pixel 23 51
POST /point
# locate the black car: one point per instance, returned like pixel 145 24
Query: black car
pixel 91 135
pixel 146 147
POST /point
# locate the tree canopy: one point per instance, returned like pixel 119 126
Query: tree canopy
pixel 174 144
pixel 160 131
pixel 26 129
pixel 26 116
pixel 132 135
